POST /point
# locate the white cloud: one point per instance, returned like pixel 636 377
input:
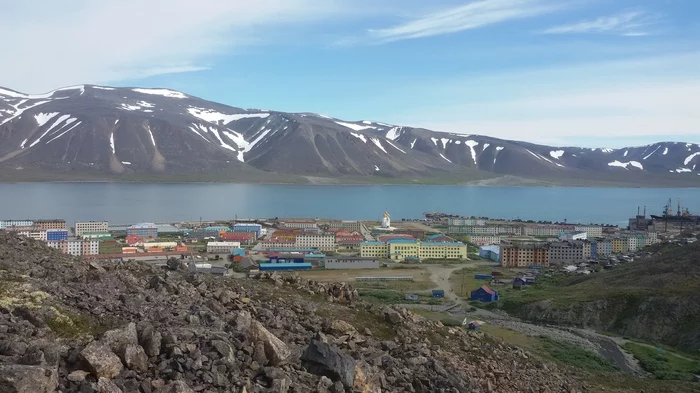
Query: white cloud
pixel 55 43
pixel 469 16
pixel 629 23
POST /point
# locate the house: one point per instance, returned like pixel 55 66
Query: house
pixel 518 283
pixel 438 293
pixel 484 294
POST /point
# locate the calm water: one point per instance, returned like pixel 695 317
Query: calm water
pixel 129 203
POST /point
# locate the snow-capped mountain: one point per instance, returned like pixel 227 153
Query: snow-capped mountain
pixel 110 132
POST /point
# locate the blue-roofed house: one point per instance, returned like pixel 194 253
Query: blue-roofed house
pixel 484 294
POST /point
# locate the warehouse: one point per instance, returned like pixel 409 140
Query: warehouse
pixel 285 266
pixel 350 263
pixel 248 228
pixel 144 230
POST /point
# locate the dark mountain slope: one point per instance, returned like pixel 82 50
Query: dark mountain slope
pixel 127 133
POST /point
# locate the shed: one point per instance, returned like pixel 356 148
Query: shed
pixel 411 297
pixel 285 266
pixel 484 294
pixel 474 325
pixel 438 293
pixel 483 276
pixel 518 283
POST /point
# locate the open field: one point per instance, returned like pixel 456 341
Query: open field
pixel 350 275
pixel 664 364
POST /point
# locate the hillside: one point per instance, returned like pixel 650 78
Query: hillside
pixel 79 326
pixel 655 299
pixel 89 132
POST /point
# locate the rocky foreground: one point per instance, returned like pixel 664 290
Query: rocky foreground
pixel 74 326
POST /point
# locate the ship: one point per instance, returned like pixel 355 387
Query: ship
pixel 681 214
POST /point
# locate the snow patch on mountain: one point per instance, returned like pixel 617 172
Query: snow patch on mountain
pixel 626 152
pixel 690 158
pixel 486 145
pixel 111 143
pixel 150 133
pixel 212 116
pixel 682 170
pixel 652 153
pixel 445 158
pixel 128 107
pixel 471 144
pixel 445 141
pixel 435 140
pixel 64 132
pixel 43 118
pixel 354 127
pixel 556 154
pixel 126 163
pixel 24 142
pixel 161 92
pixel 665 151
pixel 102 87
pixel 413 143
pixel 393 133
pixel 20 111
pixel 625 165
pixel 359 136
pixel 607 150
pixel 459 142
pixel 54 125
pixel 195 128
pixel 396 147
pixel 146 104
pixel 376 168
pixel 379 145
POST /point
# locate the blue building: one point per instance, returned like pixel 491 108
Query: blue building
pixel 285 266
pixel 256 228
pixel 484 294
pixel 482 276
pixel 438 293
pixel 519 282
pixel 594 250
pixel 490 252
pixel 56 234
pixel 217 229
pixel 286 258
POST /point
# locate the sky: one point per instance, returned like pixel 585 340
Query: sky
pixel 592 73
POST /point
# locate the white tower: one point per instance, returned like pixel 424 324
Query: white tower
pixel 386 221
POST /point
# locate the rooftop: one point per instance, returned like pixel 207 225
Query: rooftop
pixel 451 244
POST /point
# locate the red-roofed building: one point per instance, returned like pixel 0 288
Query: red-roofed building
pixel 385 238
pixel 241 237
pixel 133 239
pixel 349 240
pixel 484 294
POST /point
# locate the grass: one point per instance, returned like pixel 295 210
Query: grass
pixel 463 281
pixel 574 355
pixel 664 365
pixel 110 248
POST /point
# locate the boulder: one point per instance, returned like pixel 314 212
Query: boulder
pixel 392 316
pixel 276 350
pixel 134 357
pixel 323 359
pixel 118 339
pixel 340 327
pixel 101 360
pixel 224 349
pixel 150 340
pixel 15 378
pixel 105 385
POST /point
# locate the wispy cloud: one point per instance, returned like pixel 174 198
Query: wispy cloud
pixel 84 41
pixel 629 23
pixel 470 16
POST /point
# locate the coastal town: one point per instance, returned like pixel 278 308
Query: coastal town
pixel 314 243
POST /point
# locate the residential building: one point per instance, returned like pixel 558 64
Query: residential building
pixel 277 243
pixel 351 263
pixel 484 294
pixel 76 248
pixel 524 254
pixel 50 224
pixel 546 230
pixel 353 226
pixel 651 238
pixel 604 248
pixel 373 249
pixel 91 226
pixel 442 250
pixel 246 227
pixel 15 223
pixel 587 250
pixel 348 240
pixel 400 249
pixel 242 237
pixel 594 249
pixel 32 233
pixel 565 252
pixel 573 235
pixel 489 230
pixel 324 242
pixel 144 230
pixel 386 238
pixel 462 222
pixel 591 230
pixel 490 252
pixel 97 235
pixel 56 234
pixel 216 228
pixel 299 224
pixel 222 247
pixel 619 245
pixel 482 240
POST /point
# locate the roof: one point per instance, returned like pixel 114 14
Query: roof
pixel 492 248
pixel 453 244
pixel 488 290
pixel 373 243
pixel 288 264
pixel 223 244
pixel 247 225
pixel 405 241
pixel 143 225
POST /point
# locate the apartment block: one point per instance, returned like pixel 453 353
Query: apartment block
pixel 353 226
pixel 565 252
pixel 524 255
pixel 91 226
pixel 76 247
pixel 324 242
pixel 222 247
pixel 373 249
pixel 461 222
pixel 484 240
pixel 591 230
pixel 4 224
pixel 442 250
pixel 50 224
pixel 546 230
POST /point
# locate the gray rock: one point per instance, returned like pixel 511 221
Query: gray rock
pixel 392 316
pixel 224 349
pixel 276 350
pixel 118 339
pixel 323 359
pixel 77 376
pixel 13 348
pixel 15 378
pixel 175 387
pixel 150 340
pixel 105 385
pixel 135 358
pixel 101 360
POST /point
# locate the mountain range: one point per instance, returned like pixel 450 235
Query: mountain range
pixel 90 132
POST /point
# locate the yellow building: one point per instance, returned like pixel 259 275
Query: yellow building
pixel 442 250
pixel 619 245
pixel 400 249
pixel 373 250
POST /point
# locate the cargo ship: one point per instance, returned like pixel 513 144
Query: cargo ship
pixel 681 215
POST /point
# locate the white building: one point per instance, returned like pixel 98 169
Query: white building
pixel 301 224
pixel 15 223
pixel 91 226
pixel 483 240
pixel 461 222
pixel 651 238
pixel 76 247
pixel 573 235
pixel 34 234
pixel 591 230
pixel 323 242
pixel 222 247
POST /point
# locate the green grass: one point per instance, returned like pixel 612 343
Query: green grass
pixel 463 281
pixel 575 355
pixel 664 365
pixel 383 296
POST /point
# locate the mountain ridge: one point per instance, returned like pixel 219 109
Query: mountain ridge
pixel 119 133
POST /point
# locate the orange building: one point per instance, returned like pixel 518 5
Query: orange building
pixel 524 255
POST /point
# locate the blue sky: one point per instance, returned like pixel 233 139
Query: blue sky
pixel 562 72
